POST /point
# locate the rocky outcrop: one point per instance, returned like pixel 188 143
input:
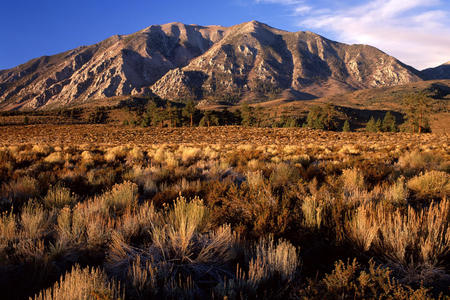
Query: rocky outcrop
pixel 178 62
pixel 255 57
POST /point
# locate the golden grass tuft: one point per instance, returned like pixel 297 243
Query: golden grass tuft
pixel 83 283
pixel 430 184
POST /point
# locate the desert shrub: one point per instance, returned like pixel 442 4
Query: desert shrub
pixel 420 160
pixel 272 268
pixel 42 149
pixel 363 230
pixel 430 185
pixel 8 232
pixel 115 153
pixel 412 243
pixel 86 155
pixel 284 174
pixel 189 154
pixel 397 193
pixel 20 190
pixel 54 158
pixel 59 196
pixel 35 220
pixel 353 281
pixel 88 226
pixel 120 198
pixel 136 225
pixel 313 212
pixel 180 252
pixel 352 179
pixel 83 283
pixel 136 153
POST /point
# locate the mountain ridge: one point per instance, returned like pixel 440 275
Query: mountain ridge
pixel 248 61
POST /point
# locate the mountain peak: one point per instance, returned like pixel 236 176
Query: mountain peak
pixel 178 61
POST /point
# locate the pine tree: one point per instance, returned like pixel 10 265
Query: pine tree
pixel 370 126
pixel 247 114
pixel 417 110
pixel 259 111
pixel 389 123
pixel 346 127
pixel 314 115
pixel 209 118
pixel 378 126
pixel 152 113
pixel 329 117
pixel 225 116
pixel 189 111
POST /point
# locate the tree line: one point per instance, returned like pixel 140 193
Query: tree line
pixel 324 117
pixel 170 115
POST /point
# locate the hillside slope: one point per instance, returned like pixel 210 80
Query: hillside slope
pixel 177 62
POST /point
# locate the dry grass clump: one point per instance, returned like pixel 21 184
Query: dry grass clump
pixel 83 283
pixel 122 197
pixel 20 190
pixel 118 152
pixel 59 196
pixel 412 243
pixel 54 158
pixel 181 251
pixel 189 154
pixel 35 220
pixel 354 281
pixel 420 160
pixel 136 153
pixel 352 179
pixel 284 174
pixel 430 185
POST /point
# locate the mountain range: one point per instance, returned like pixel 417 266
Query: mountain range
pixel 246 62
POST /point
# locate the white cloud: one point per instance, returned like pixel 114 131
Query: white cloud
pixel 416 32
pixel 413 31
pixel 302 10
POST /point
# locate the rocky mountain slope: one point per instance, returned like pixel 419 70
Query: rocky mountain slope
pixel 440 72
pixel 176 61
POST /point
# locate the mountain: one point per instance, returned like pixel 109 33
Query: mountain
pixel 440 72
pixel 176 61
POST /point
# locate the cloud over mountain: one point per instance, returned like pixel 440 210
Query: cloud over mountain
pixel 417 31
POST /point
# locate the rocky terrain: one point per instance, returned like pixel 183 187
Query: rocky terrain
pixel 175 61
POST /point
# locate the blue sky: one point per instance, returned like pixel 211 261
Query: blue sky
pixel 415 31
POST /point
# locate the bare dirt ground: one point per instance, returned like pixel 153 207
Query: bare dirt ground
pixel 234 135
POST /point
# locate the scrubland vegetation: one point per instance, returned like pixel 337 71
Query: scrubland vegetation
pixel 98 212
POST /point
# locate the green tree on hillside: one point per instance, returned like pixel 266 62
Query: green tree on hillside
pixel 389 123
pixel 417 110
pixel 346 127
pixel 314 118
pixel 209 118
pixel 370 126
pixel 322 117
pixel 247 115
pixel 226 116
pixel 189 111
pixel 259 114
pixel 378 126
pixel 329 117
